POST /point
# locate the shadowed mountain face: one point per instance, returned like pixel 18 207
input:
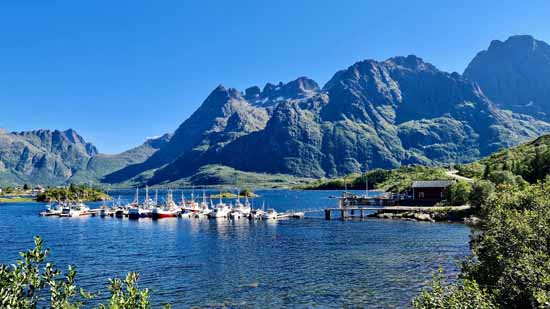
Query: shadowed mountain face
pixel 389 113
pixel 399 111
pixel 224 116
pixel 55 157
pixel 515 75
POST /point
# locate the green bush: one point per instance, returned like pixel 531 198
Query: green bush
pixel 512 255
pixel 480 193
pixel 463 295
pixel 458 193
pixel 32 282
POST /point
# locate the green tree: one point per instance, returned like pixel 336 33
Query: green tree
pixel 511 254
pixel 25 187
pixel 481 191
pixel 458 193
pixel 464 295
pixel 505 177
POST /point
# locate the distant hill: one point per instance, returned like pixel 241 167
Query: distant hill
pixel 56 157
pixel 531 161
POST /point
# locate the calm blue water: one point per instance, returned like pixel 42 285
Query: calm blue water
pixel 209 263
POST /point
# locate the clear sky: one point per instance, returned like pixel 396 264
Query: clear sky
pixel 121 71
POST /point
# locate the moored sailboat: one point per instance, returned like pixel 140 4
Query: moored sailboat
pixel 169 210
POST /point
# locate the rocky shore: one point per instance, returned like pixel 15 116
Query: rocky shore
pixel 459 215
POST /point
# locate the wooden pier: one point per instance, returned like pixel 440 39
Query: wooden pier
pixel 360 212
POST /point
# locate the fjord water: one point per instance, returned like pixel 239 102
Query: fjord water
pixel 200 262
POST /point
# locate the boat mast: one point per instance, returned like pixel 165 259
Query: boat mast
pixel 146 202
pixel 136 198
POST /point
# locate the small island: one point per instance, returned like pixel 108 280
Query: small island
pixel 242 194
pixel 73 192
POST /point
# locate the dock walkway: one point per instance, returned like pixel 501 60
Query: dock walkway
pixel 347 212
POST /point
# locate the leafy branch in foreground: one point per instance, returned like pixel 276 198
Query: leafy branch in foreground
pixel 32 282
pixel 463 295
pixel 510 266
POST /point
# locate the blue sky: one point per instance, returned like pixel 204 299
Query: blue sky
pixel 121 71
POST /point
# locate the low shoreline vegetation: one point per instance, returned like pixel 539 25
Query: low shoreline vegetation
pixel 510 262
pixel 395 180
pixel 16 199
pixel 73 193
pixel 33 282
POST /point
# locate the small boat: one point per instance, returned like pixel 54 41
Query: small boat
pixel 169 210
pixel 104 211
pixel 241 210
pixel 257 214
pixel 191 205
pixel 221 210
pixel 137 211
pixel 205 210
pixel 52 210
pixel 270 214
pixel 120 211
pixel 74 210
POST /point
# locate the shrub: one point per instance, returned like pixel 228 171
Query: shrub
pixel 480 193
pixel 32 282
pixel 463 295
pixel 511 255
pixel 458 193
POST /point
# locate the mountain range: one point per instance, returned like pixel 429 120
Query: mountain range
pixel 372 114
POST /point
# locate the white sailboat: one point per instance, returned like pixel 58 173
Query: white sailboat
pixel 221 210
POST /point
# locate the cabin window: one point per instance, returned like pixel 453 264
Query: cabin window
pixel 420 194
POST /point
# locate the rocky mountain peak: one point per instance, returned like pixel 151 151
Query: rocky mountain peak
pixel 515 75
pixel 273 94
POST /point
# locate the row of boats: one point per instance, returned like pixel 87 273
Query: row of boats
pixel 151 208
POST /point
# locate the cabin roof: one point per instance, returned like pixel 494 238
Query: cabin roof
pixel 432 183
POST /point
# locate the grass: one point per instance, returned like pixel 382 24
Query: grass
pixel 16 199
pixel 395 180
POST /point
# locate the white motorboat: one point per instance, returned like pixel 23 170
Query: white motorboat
pixel 75 210
pixel 137 211
pixel 53 210
pixel 221 210
pixel 270 214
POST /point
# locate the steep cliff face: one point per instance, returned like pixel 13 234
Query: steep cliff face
pixel 515 75
pixel 224 116
pixel 399 111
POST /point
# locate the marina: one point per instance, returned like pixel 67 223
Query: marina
pixel 187 209
pixel 310 262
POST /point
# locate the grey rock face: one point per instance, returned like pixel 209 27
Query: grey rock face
pixel 55 157
pixel 515 75
pixel 399 111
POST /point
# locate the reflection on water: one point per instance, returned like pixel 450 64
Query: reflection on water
pixel 201 262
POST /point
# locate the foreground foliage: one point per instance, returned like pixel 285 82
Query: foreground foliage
pixel 464 295
pixel 34 283
pixel 511 254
